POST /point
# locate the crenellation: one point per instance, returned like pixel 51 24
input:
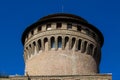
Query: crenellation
pixel 35 31
pixel 43 27
pixel 64 25
pixel 29 35
pixel 53 26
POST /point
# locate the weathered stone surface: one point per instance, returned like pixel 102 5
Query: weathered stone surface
pixel 61 62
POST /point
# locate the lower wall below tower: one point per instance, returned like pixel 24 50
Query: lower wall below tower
pixel 62 77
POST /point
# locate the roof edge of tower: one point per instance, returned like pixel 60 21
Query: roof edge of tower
pixel 59 16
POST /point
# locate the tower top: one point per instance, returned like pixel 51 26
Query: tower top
pixel 62 17
pixel 68 43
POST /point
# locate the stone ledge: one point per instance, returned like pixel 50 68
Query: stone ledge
pixel 62 77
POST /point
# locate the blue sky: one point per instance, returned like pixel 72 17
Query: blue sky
pixel 16 15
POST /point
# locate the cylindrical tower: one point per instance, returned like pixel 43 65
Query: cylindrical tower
pixel 62 44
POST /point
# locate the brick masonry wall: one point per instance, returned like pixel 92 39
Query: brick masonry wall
pixel 61 62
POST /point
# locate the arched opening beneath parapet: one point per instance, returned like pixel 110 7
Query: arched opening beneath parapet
pixel 79 44
pixel 46 44
pixel 34 47
pixel 30 50
pixel 73 43
pixel 84 46
pixel 59 42
pixel 27 48
pixel 52 42
pixel 39 45
pixel 66 42
pixel 90 49
pixel 27 52
pixel 95 53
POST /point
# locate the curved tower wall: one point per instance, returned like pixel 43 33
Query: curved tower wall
pixel 61 48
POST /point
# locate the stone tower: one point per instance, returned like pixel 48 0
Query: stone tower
pixel 62 44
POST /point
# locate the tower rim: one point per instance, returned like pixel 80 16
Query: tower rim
pixel 62 17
